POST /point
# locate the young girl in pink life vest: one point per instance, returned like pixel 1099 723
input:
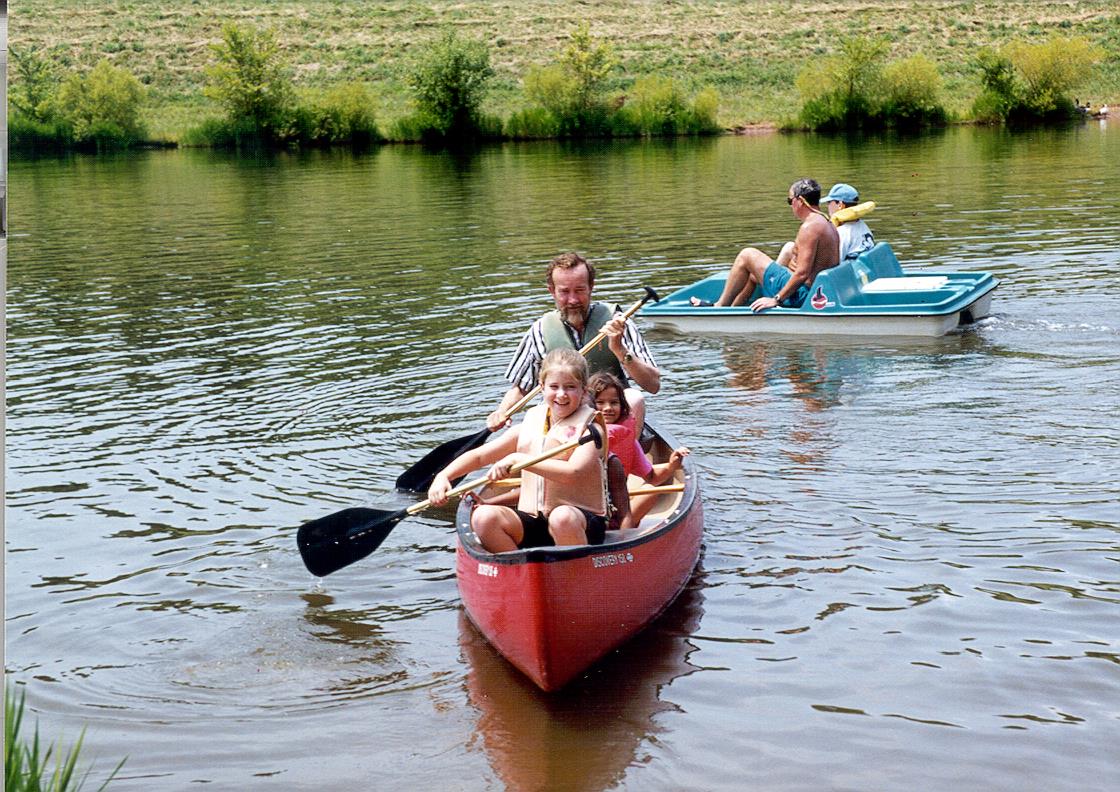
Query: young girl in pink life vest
pixel 608 395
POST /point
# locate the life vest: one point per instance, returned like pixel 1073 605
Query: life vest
pixel 850 213
pixel 538 494
pixel 599 357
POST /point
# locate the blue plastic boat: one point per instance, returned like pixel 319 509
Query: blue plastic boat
pixel 870 296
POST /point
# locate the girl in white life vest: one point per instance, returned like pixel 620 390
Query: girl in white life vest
pixel 562 499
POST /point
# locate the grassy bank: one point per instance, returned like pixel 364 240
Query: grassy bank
pixel 751 51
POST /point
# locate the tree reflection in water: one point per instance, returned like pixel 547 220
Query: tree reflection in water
pixel 585 736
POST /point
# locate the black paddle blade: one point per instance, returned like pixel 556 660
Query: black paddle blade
pixel 337 540
pixel 420 476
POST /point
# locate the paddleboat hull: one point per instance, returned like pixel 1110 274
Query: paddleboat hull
pixel 552 612
pixel 869 297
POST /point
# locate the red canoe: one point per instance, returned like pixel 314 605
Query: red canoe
pixel 552 612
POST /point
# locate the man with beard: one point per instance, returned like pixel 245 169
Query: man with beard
pixel 576 321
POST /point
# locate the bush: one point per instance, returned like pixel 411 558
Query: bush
pixel 251 83
pixel 656 106
pixel 532 122
pixel 38 137
pixel 845 92
pixel 913 88
pixel 346 115
pixel 450 84
pixel 998 86
pixel 1048 72
pixel 102 108
pixel 1032 82
pixel 32 95
pixel 573 90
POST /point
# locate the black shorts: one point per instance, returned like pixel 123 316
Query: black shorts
pixel 535 527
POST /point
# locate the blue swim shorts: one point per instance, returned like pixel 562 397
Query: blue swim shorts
pixel 774 280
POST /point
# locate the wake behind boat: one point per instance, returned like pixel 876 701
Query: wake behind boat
pixel 870 296
pixel 553 611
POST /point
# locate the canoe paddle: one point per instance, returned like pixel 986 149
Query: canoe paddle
pixel 420 476
pixel 337 540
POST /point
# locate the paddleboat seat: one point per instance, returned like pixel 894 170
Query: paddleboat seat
pixel 880 262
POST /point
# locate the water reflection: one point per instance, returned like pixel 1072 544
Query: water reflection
pixel 586 736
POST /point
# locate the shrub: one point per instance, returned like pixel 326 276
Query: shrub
pixel 450 83
pixel 25 134
pixel 573 90
pixel 102 108
pixel 845 93
pixel 913 97
pixel 532 122
pixel 998 86
pixel 1049 71
pixel 346 115
pixel 1030 82
pixel 587 65
pixel 250 82
pixel 32 95
pixel 656 106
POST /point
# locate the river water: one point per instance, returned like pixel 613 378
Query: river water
pixel 911 575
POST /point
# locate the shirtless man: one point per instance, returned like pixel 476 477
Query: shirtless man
pixel 816 248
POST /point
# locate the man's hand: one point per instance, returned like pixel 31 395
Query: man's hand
pixel 614 329
pixel 762 303
pixel 497 420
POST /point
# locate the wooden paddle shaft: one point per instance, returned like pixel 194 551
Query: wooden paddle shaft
pixel 528 397
pixel 560 449
pixel 516 482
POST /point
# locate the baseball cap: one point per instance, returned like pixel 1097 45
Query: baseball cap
pixel 841 192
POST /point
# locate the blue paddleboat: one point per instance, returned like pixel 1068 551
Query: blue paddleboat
pixel 870 296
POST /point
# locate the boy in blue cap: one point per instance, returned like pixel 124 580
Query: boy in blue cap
pixel 855 236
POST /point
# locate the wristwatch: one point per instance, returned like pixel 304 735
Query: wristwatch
pixel 627 358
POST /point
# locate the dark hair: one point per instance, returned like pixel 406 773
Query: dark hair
pixel 570 261
pixel 808 189
pixel 602 380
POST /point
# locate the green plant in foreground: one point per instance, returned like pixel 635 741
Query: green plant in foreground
pixel 27 762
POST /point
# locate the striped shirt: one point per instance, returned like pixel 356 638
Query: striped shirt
pixel 524 370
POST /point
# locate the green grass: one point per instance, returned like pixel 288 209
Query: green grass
pixel 749 50
pixel 31 766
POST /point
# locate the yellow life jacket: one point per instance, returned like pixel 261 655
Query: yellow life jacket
pixel 850 213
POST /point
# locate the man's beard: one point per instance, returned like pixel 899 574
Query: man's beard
pixel 574 316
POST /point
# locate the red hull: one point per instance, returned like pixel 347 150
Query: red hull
pixel 553 612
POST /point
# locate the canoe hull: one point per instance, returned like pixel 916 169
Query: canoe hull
pixel 553 612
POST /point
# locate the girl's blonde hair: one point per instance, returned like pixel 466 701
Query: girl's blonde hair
pixel 603 380
pixel 568 360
